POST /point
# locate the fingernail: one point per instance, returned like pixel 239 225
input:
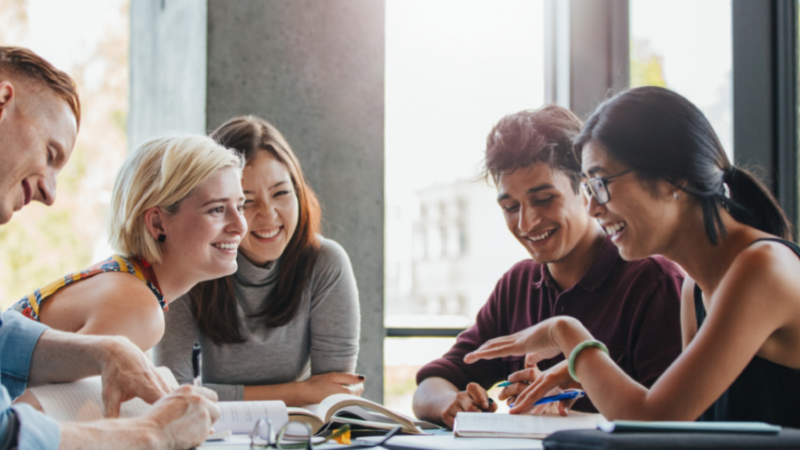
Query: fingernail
pixel 362 377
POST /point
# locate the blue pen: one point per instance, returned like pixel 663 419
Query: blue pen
pixel 566 395
pixel 505 384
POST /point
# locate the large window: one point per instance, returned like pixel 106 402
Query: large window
pixel 453 69
pixel 685 45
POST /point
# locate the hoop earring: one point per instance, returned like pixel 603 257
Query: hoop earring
pixel 675 195
pixel 162 237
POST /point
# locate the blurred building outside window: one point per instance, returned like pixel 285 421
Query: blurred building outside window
pixel 453 69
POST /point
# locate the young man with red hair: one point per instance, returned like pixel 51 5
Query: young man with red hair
pixel 574 270
pixel 39 119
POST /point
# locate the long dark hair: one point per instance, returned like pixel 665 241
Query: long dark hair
pixel 662 135
pixel 214 302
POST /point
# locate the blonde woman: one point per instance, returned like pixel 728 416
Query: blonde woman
pixel 176 221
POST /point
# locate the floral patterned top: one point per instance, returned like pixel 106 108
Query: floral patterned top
pixel 29 306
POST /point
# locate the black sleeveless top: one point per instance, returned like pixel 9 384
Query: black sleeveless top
pixel 764 391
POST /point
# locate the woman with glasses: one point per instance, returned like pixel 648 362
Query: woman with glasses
pixel 659 182
pixel 285 326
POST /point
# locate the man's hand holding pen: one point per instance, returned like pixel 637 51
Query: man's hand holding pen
pixel 473 399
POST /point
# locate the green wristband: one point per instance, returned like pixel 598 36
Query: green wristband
pixel 579 348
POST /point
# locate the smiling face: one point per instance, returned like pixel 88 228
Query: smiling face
pixel 543 212
pixel 37 134
pixel 271 208
pixel 640 219
pixel 207 228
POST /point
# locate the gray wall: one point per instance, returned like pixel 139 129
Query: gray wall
pixel 316 70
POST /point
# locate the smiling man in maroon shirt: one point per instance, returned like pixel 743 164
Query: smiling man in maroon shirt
pixel 575 270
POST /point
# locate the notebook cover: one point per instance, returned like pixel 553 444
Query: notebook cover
pixel 788 438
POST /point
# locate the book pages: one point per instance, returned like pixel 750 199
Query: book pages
pixel 82 400
pixel 241 417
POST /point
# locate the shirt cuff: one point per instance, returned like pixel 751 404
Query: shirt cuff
pixel 18 338
pixel 36 430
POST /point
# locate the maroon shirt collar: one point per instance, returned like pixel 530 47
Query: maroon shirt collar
pixel 602 266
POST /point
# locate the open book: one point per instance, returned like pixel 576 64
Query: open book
pixel 521 426
pixel 81 401
pixel 357 411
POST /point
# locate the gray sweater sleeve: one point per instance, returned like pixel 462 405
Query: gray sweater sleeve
pixel 175 349
pixel 335 317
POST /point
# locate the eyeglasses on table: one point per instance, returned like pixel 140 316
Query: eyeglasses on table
pixel 298 436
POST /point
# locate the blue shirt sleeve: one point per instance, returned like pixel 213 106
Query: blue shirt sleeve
pixel 18 337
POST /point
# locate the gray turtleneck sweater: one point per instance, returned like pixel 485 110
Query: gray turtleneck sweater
pixel 323 336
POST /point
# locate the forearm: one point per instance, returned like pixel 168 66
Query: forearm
pixel 61 357
pixel 432 397
pixel 611 390
pixel 111 434
pixel 293 394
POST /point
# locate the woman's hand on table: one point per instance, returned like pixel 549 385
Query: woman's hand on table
pixel 318 387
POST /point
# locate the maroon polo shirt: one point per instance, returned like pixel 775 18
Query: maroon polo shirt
pixel 631 306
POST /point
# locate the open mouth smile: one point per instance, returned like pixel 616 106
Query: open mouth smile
pixel 268 234
pixel 615 229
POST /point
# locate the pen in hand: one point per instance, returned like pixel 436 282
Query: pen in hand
pixel 570 394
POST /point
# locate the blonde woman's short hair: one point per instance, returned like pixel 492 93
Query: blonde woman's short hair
pixel 161 173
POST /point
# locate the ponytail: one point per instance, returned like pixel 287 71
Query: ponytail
pixel 751 203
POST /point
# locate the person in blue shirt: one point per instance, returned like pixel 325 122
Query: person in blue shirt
pixel 39 120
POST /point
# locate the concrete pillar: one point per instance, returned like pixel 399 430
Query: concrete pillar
pixel 316 70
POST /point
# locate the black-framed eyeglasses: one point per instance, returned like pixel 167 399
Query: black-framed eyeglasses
pixel 598 187
pixel 298 436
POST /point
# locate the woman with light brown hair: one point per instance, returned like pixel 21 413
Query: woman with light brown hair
pixel 285 326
